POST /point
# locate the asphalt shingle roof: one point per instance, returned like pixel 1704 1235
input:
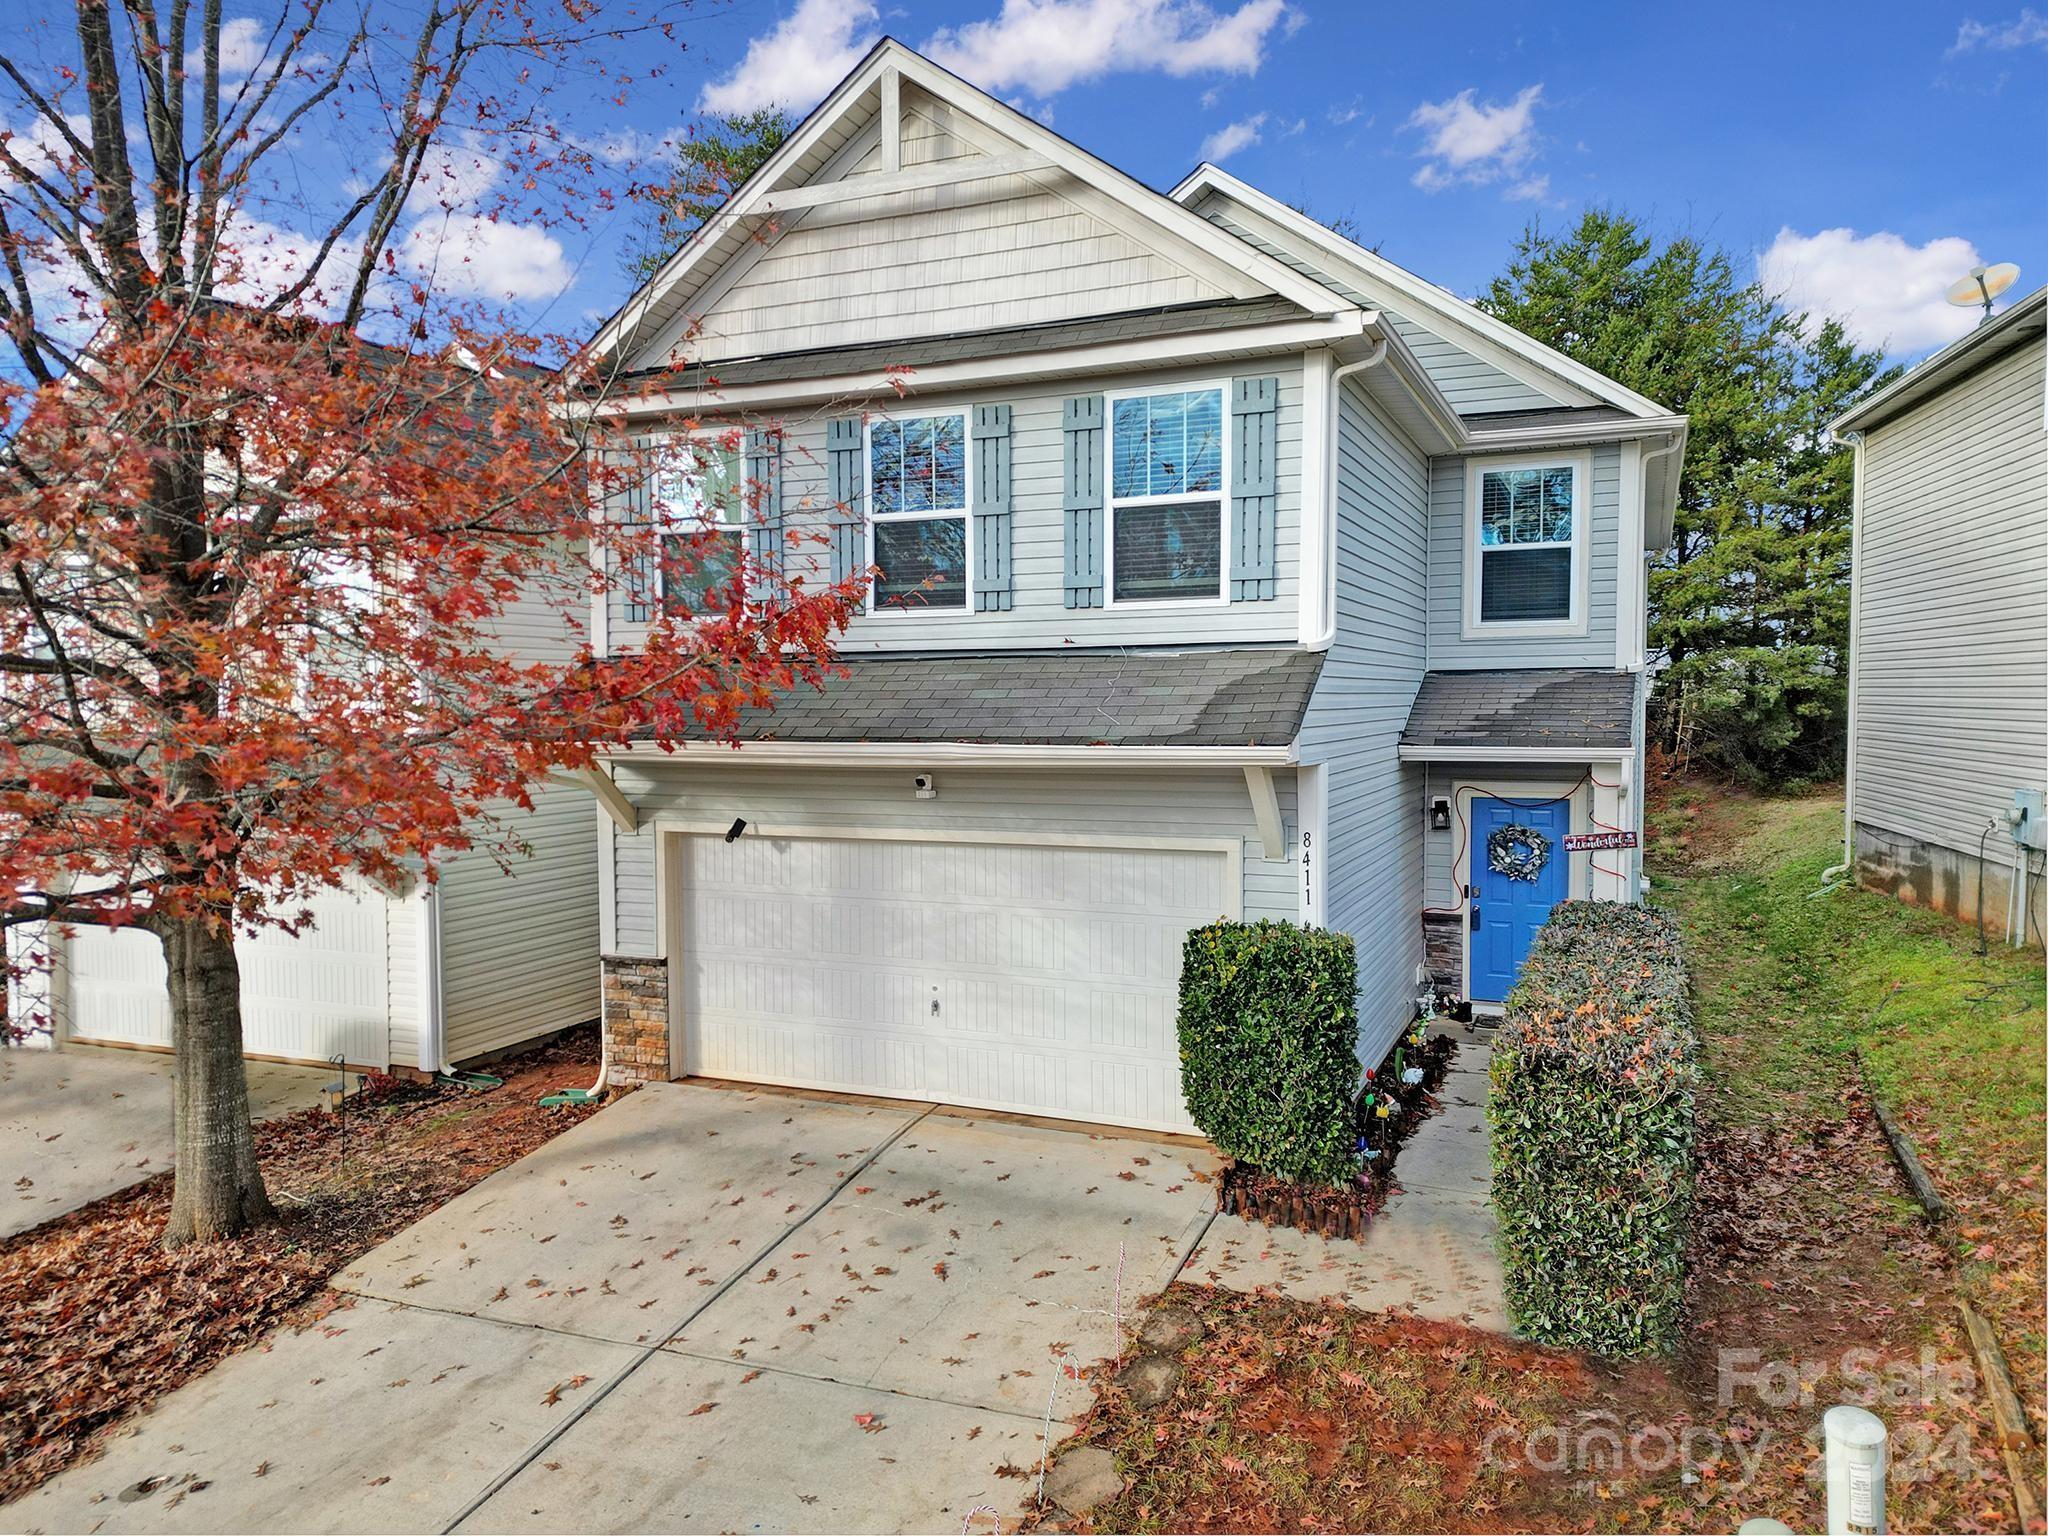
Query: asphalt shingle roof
pixel 1221 698
pixel 1550 707
pixel 1563 417
pixel 923 352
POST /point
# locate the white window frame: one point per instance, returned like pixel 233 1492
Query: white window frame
pixel 1111 501
pixel 1575 624
pixel 894 610
pixel 668 524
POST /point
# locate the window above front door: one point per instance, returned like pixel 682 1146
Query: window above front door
pixel 1525 546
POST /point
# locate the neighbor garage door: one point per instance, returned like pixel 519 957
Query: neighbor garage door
pixel 309 998
pixel 1035 978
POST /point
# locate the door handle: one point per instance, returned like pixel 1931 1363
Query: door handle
pixel 1473 919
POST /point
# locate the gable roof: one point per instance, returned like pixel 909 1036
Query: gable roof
pixel 1424 300
pixel 819 150
pixel 2025 318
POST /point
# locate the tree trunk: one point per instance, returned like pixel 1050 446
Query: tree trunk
pixel 218 1189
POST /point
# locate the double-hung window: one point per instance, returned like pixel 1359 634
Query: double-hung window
pixel 917 509
pixel 700 502
pixel 1166 496
pixel 1526 545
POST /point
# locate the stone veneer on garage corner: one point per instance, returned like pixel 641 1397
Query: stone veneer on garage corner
pixel 636 1020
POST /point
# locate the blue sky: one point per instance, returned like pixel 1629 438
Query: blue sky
pixel 1865 154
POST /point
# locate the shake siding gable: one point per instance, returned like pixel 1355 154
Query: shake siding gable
pixel 1951 646
pixel 1373 845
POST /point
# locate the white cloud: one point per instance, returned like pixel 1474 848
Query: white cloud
pixel 457 173
pixel 1211 96
pixel 243 44
pixel 2028 30
pixel 1351 112
pixel 1476 143
pixel 1887 293
pixel 1232 137
pixel 493 258
pixel 258 260
pixel 1045 46
pixel 1530 189
pixel 796 62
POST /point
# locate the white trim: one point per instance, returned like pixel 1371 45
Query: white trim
pixel 1110 500
pixel 913 754
pixel 890 182
pixel 1566 435
pixel 1577 885
pixel 965 515
pixel 1231 848
pixel 1312 793
pixel 1427 295
pixel 611 800
pixel 430 999
pixel 1023 367
pixel 607 885
pixel 892 127
pixel 1181 225
pixel 1855 646
pixel 1629 581
pixel 1419 753
pixel 1471 626
pixel 1266 810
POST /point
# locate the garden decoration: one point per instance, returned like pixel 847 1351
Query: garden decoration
pixel 1517 851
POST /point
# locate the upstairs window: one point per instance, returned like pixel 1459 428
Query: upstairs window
pixel 1526 553
pixel 1166 507
pixel 917 510
pixel 700 501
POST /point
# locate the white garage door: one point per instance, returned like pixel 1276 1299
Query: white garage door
pixel 1031 978
pixel 307 998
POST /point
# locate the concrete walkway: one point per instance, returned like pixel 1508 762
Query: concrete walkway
pixel 1431 1249
pixel 84 1121
pixel 700 1310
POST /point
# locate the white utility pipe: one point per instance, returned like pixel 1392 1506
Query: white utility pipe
pixel 1328 631
pixel 1855 442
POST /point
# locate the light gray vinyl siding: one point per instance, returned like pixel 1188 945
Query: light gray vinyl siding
pixel 1059 802
pixel 1951 643
pixel 1040 618
pixel 402 976
pixel 1372 858
pixel 519 945
pixel 1470 383
pixel 1448 552
pixel 1444 852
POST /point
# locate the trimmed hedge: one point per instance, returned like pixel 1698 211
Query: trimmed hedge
pixel 1269 1046
pixel 1594 1073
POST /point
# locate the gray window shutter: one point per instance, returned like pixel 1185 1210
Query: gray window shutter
pixel 1081 422
pixel 989 441
pixel 1254 488
pixel 848 489
pixel 762 468
pixel 641 577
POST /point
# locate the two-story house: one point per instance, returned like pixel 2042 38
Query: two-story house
pixel 1221 569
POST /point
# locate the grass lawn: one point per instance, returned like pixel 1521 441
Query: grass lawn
pixel 100 1321
pixel 1813 1278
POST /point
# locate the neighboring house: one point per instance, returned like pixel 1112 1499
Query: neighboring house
pixel 436 976
pixel 1948 627
pixel 1226 570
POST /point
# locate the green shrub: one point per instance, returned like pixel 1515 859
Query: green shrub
pixel 1269 1046
pixel 1594 1072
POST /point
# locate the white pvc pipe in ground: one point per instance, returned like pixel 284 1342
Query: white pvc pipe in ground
pixel 1856 1458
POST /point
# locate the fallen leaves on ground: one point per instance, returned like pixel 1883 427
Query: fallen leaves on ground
pixel 100 1321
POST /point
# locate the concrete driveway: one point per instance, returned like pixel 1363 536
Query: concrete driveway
pixel 84 1121
pixel 702 1309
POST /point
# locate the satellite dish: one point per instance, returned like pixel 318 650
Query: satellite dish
pixel 1983 285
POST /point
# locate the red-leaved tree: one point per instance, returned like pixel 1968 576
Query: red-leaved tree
pixel 253 565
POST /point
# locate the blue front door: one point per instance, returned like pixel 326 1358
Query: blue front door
pixel 1508 907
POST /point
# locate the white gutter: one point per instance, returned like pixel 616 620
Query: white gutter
pixel 433 1031
pixel 1326 632
pixel 1417 753
pixel 911 754
pixel 1485 440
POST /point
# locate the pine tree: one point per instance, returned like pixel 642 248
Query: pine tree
pixel 708 168
pixel 1749 605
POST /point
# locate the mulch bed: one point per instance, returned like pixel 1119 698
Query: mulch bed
pixel 1243 1190
pixel 100 1321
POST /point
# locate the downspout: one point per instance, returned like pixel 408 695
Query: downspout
pixel 1672 445
pixel 1639 652
pixel 1328 632
pixel 433 1042
pixel 1839 871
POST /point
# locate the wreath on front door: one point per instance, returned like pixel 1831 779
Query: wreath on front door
pixel 1517 851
